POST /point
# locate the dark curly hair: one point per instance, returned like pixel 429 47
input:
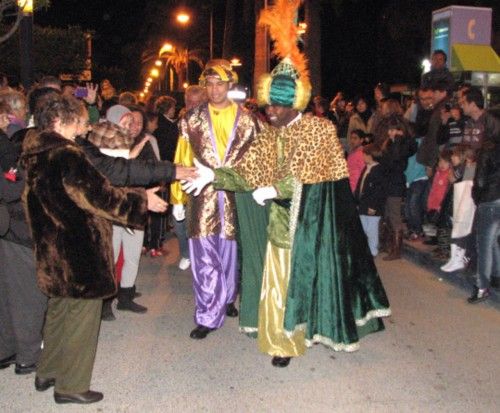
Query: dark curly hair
pixel 54 106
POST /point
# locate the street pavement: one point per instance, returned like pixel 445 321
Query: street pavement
pixel 437 354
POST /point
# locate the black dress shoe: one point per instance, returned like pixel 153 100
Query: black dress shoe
pixel 478 295
pixel 80 398
pixel 280 361
pixel 43 384
pixel 200 332
pixel 7 361
pixel 25 368
pixel 231 310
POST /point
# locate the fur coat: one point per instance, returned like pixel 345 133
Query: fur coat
pixel 70 207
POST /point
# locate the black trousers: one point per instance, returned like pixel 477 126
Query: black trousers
pixel 22 304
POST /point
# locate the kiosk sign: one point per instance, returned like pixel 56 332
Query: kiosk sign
pixel 460 25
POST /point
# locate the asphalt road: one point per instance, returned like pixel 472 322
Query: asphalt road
pixel 437 354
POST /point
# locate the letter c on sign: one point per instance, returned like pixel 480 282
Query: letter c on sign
pixel 470 29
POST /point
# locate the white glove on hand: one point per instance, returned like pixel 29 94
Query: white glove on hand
pixel 205 176
pixel 261 195
pixel 179 212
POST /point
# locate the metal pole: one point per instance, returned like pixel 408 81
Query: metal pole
pixel 187 65
pixel 26 49
pixel 211 29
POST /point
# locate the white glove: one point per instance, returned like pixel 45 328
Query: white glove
pixel 261 195
pixel 179 212
pixel 205 176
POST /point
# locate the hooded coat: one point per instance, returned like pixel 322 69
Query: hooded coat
pixel 70 208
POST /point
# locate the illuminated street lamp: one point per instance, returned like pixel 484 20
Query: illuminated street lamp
pixel 158 63
pixel 166 48
pixel 426 65
pixel 149 79
pixel 154 72
pixel 25 5
pixel 235 62
pixel 183 18
pixel 302 28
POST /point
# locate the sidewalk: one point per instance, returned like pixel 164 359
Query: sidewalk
pixel 421 255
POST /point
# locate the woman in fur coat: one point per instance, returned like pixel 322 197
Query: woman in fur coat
pixel 70 207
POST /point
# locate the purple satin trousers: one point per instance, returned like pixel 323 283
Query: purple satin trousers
pixel 214 266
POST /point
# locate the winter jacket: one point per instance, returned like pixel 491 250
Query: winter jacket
pixel 355 122
pixel 70 208
pixel 355 166
pixel 127 172
pixel 395 160
pixel 374 193
pixel 167 135
pixel 439 76
pixel 428 150
pixel 487 179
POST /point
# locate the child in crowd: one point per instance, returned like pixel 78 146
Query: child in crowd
pixel 435 201
pixel 463 160
pixel 355 163
pixel 397 147
pixel 370 195
pixel 416 197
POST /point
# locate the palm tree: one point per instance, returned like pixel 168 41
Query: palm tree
pixel 312 39
pixel 179 59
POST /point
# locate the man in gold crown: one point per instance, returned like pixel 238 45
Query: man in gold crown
pixel 319 284
pixel 216 133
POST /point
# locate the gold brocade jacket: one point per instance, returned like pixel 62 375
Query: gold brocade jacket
pixel 203 216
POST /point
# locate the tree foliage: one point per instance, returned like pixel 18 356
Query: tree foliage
pixel 55 51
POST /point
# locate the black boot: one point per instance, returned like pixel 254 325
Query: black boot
pixel 107 311
pixel 385 236
pixel 136 294
pixel 126 301
pixel 231 310
pixel 395 253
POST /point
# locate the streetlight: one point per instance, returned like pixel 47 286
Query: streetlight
pixel 166 48
pixel 158 63
pixel 183 17
pixel 302 28
pixel 154 72
pixel 235 62
pixel 426 65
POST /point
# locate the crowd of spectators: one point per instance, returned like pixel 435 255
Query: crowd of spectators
pixel 427 149
pixel 425 169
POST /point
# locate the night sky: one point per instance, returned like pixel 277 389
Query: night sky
pixel 364 41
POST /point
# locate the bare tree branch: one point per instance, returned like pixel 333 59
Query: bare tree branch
pixel 12 10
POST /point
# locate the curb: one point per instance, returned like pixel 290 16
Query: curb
pixel 462 279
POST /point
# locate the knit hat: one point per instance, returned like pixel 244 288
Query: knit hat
pixel 116 112
pixel 288 83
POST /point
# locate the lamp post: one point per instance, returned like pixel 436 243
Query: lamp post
pixel 211 29
pixel 26 42
pixel 184 18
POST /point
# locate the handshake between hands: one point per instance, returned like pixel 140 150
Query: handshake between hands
pixel 207 175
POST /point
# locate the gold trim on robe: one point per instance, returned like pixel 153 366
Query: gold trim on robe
pixel 202 212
